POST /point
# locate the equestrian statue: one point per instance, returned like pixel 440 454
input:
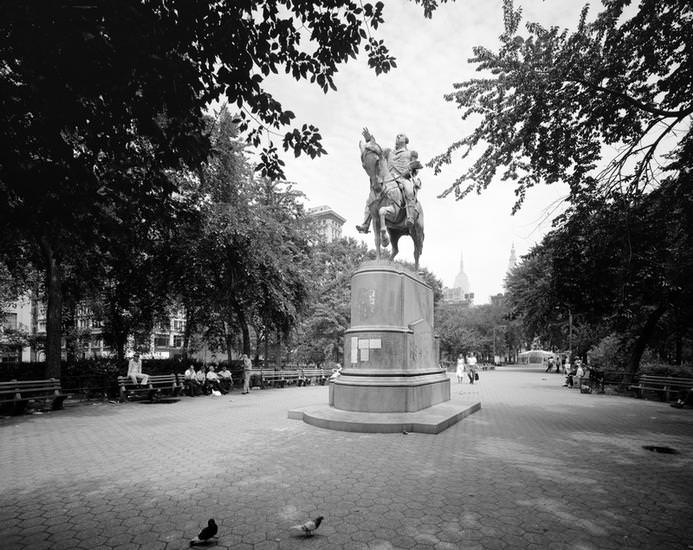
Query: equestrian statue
pixel 392 204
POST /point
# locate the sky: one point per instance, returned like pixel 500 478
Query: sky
pixel 431 55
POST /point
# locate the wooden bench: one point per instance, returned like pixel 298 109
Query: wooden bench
pixel 314 376
pixel 19 393
pixel 278 378
pixel 667 387
pixel 156 384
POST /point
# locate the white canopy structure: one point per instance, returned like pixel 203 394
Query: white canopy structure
pixel 535 357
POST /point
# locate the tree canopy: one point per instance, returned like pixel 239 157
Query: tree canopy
pixel 607 109
pixel 595 107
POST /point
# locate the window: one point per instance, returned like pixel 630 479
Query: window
pixel 10 321
pixel 178 325
pixel 177 341
pixel 161 341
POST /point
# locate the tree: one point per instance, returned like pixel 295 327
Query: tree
pixel 320 335
pixel 557 103
pixel 98 103
pixel 238 256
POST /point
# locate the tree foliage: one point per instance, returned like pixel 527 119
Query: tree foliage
pixel 320 335
pixel 595 107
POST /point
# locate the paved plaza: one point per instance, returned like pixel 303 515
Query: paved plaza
pixel 540 467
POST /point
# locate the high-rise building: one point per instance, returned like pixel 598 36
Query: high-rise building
pixel 327 223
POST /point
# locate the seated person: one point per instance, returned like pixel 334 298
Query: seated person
pixel 201 380
pixel 135 370
pixel 190 381
pixel 225 379
pixel 336 373
pixel 213 380
pixel 685 399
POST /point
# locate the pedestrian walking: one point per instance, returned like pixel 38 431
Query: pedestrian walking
pixel 460 368
pixel 247 368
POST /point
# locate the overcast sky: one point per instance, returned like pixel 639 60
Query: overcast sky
pixel 431 56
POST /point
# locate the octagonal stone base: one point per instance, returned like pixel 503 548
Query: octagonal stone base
pixel 389 393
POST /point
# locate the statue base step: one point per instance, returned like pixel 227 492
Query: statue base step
pixel 386 394
pixel 432 420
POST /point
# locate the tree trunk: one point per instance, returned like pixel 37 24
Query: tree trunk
pixel 53 310
pixel 71 333
pixel 118 334
pixel 245 331
pixel 228 338
pixel 643 338
pixel 278 357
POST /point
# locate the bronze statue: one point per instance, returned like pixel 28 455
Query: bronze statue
pixel 392 204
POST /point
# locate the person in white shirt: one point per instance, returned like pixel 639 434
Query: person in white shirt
pixel 213 380
pixel 460 369
pixel 190 381
pixel 225 379
pixel 135 370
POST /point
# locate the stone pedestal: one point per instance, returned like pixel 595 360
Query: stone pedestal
pixel 390 353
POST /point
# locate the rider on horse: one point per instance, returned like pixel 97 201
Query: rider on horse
pixel 403 166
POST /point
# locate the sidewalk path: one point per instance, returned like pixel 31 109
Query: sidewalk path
pixel 538 467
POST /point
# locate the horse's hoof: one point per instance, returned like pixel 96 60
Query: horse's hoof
pixel 384 239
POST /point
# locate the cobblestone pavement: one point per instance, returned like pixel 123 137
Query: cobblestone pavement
pixel 539 467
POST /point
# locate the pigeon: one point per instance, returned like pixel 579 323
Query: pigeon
pixel 309 526
pixel 206 534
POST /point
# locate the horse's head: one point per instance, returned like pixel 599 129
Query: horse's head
pixel 373 163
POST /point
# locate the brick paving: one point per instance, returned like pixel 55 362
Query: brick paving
pixel 538 467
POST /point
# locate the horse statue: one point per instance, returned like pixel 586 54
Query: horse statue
pixel 386 204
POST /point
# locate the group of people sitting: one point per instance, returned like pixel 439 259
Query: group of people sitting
pixel 205 381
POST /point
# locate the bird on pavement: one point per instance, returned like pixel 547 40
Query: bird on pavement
pixel 309 526
pixel 206 534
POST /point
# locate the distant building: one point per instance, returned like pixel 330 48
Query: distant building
pixel 498 299
pixel 512 261
pixel 327 223
pixel 23 326
pixel 459 293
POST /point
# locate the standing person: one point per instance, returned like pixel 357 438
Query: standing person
pixel 473 373
pixel 247 367
pixel 460 368
pixel 135 370
pixel 549 364
pixel 579 371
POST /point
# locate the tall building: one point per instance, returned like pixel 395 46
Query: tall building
pixel 460 289
pixel 512 261
pixel 327 223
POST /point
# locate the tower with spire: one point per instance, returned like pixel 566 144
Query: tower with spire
pixel 512 262
pixel 460 289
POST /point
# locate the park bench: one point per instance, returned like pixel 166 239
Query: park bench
pixel 157 384
pixel 314 376
pixel 668 387
pixel 19 393
pixel 278 378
